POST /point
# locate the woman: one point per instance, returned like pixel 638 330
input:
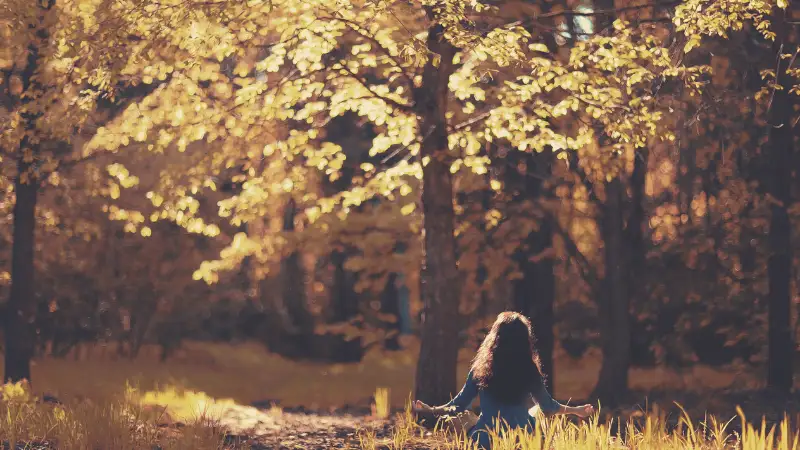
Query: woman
pixel 505 374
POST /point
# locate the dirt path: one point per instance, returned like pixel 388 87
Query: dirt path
pixel 298 430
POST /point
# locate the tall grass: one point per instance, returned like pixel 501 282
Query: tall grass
pixel 653 431
pixel 27 422
pixel 381 408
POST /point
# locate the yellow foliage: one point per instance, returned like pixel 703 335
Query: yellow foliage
pixel 303 79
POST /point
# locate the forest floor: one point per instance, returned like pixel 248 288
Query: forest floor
pixel 298 428
pixel 267 402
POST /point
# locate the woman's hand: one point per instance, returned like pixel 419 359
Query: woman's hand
pixel 585 411
pixel 420 407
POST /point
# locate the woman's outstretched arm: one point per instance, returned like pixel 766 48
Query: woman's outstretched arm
pixel 459 403
pixel 550 407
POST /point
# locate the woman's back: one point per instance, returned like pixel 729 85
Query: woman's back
pixel 512 414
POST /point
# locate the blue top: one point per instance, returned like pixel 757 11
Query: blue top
pixel 514 415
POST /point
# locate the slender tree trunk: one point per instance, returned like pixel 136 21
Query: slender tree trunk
pixel 636 257
pixel 19 314
pixel 436 368
pixel 294 290
pixel 277 322
pixel 779 184
pixel 344 297
pixel 143 312
pixel 637 220
pixel 390 304
pixel 686 167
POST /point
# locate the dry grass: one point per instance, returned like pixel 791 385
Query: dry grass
pixel 562 434
pixel 381 407
pixel 26 422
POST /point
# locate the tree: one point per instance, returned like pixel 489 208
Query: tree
pixel 779 186
pixel 436 367
pixel 69 66
pixel 771 21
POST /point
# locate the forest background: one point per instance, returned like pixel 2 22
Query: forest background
pixel 336 179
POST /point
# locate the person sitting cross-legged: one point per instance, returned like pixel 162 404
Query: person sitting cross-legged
pixel 506 374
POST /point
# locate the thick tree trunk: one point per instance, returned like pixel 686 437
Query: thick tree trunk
pixel 19 314
pixel 612 383
pixel 20 311
pixel 614 301
pixel 779 264
pixel 436 368
pixel 624 255
pixel 534 293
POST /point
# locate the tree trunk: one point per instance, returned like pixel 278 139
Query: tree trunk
pixel 636 256
pixel 779 264
pixel 20 311
pixel 294 290
pixel 614 302
pixel 143 312
pixel 19 314
pixel 686 167
pixel 390 305
pixel 624 259
pixel 436 368
pixel 404 305
pixel 637 220
pixel 534 293
pixel 344 297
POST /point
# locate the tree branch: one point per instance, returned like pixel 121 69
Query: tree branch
pixel 403 107
pixel 587 270
pixel 575 165
pixel 360 31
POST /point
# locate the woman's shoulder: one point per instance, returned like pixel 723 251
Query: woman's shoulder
pixel 471 376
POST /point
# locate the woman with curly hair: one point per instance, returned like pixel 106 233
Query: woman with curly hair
pixel 506 374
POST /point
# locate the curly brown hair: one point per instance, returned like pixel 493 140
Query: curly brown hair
pixel 507 364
